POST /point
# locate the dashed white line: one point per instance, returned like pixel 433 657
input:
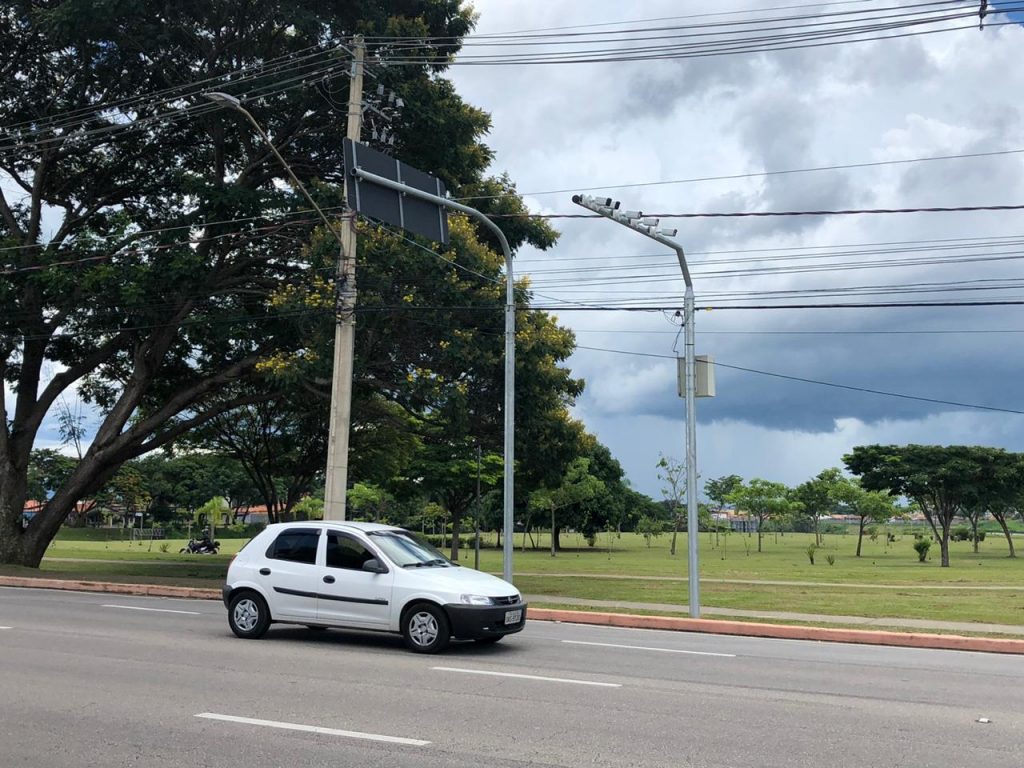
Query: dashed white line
pixel 6 627
pixel 154 610
pixel 313 729
pixel 526 677
pixel 649 648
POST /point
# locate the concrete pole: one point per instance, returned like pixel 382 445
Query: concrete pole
pixel 336 481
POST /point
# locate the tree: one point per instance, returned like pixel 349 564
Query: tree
pixel 673 475
pixel 157 289
pixel 818 496
pixel 718 489
pixel 650 527
pixel 943 480
pixel 875 506
pixel 763 500
pixel 577 486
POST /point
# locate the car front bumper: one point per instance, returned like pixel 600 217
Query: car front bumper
pixel 474 622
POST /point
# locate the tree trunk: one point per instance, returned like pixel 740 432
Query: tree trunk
pixel 456 532
pixel 552 530
pixel 759 535
pixel 558 538
pixel 974 520
pixel 860 535
pixel 944 545
pixel 817 536
pixel 1006 533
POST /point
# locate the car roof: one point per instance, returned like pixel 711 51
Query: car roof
pixel 344 524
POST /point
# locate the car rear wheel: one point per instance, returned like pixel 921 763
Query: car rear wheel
pixel 248 615
pixel 425 628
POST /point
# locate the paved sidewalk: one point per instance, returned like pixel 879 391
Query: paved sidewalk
pixel 808 618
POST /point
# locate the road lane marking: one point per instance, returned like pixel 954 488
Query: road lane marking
pixel 6 627
pixel 649 648
pixel 313 729
pixel 154 610
pixel 526 677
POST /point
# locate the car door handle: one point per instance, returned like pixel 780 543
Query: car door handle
pixel 264 571
pixel 328 579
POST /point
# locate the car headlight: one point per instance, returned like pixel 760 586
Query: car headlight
pixel 476 600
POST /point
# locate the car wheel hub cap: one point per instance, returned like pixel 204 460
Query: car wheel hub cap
pixel 423 629
pixel 246 615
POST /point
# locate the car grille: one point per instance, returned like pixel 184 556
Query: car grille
pixel 509 600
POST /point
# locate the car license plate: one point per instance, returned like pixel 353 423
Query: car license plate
pixel 513 617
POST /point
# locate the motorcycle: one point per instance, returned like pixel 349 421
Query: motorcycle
pixel 201 546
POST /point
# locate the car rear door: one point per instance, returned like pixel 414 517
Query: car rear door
pixel 289 574
pixel 349 595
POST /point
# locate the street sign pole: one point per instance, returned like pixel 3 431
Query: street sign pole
pixel 397 209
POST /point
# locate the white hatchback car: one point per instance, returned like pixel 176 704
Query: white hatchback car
pixel 365 576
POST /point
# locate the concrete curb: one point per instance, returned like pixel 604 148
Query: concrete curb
pixel 709 626
pixel 149 590
pixel 785 632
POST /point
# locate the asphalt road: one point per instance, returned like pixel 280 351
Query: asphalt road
pixel 105 680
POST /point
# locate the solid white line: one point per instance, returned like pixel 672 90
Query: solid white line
pixel 313 729
pixel 526 677
pixel 647 648
pixel 154 610
pixel 6 627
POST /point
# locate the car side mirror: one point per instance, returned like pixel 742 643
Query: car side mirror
pixel 373 565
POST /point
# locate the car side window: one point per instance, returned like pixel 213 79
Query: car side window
pixel 295 544
pixel 345 552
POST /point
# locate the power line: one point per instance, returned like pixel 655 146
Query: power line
pixel 743 214
pixel 818 382
pixel 752 175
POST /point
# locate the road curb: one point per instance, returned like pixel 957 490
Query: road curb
pixel 148 590
pixel 785 631
pixel 635 621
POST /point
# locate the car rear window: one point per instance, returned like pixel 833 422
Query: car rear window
pixel 295 544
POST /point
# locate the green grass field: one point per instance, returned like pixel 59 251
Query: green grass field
pixel 886 582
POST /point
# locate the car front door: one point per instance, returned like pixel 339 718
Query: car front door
pixel 289 574
pixel 347 594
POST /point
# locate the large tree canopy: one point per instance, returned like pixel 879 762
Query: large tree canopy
pixel 147 257
pixel 943 480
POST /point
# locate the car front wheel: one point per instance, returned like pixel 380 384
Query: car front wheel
pixel 425 628
pixel 248 615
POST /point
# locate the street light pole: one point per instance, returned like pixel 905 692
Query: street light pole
pixel 336 480
pixel 648 227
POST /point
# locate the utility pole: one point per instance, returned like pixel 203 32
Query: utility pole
pixel 648 227
pixel 345 326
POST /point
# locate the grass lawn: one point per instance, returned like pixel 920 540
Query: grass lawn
pixel 836 590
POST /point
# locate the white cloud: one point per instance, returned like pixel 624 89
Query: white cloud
pixel 558 127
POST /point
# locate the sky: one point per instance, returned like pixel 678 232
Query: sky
pixel 596 127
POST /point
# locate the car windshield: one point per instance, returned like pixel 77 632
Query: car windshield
pixel 408 551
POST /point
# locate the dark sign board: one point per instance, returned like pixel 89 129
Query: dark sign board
pixel 420 217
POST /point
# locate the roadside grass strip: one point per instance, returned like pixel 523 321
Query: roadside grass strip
pixel 526 677
pixel 650 648
pixel 313 729
pixel 153 610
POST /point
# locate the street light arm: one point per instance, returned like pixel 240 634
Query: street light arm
pixel 232 102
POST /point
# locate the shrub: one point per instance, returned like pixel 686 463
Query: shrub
pixel 164 546
pixel 872 532
pixel 960 533
pixel 921 546
pixel 831 559
pixel 810 552
pixel 981 535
